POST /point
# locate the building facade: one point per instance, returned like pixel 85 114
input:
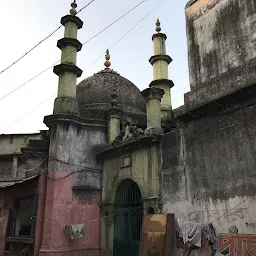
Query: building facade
pixel 114 154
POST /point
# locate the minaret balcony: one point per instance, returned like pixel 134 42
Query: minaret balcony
pixel 69 42
pixel 73 19
pixel 162 35
pixel 155 58
pixel 67 67
pixel 162 82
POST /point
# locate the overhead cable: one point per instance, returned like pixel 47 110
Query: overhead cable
pixel 86 67
pixel 101 31
pixel 40 42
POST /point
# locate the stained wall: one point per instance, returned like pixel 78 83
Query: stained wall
pixel 142 166
pixel 208 176
pixel 221 48
pixel 73 190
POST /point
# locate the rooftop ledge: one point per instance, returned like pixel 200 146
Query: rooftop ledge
pixel 130 145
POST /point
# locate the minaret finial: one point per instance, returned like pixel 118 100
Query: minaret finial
pixel 158 28
pixel 107 63
pixel 73 11
pixel 114 98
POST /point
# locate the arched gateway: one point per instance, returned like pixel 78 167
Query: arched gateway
pixel 128 219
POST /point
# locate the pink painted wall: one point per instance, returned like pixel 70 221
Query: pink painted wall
pixel 40 213
pixel 63 207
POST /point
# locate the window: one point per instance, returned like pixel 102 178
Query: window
pixel 24 217
pixel 126 161
pixel 6 166
pixel 21 222
pixel 151 210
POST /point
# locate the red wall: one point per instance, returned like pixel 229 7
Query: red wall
pixel 40 213
pixel 64 207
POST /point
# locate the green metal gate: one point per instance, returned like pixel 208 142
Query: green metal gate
pixel 128 219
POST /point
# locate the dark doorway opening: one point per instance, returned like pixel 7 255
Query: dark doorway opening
pixel 128 219
pixel 151 210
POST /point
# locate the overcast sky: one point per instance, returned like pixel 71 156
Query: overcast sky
pixel 25 23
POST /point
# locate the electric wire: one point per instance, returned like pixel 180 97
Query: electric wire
pixel 91 38
pixel 38 164
pixel 88 222
pixel 112 215
pixel 87 67
pixel 231 209
pixel 41 103
pixel 40 42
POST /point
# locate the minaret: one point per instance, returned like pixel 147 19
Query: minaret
pixel 114 113
pixel 66 103
pixel 160 62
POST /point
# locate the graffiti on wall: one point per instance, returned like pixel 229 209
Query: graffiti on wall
pixel 232 215
pixel 234 244
pixel 230 244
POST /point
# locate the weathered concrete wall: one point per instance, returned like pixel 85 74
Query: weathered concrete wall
pixel 144 170
pixel 11 162
pixel 73 189
pixel 12 143
pixel 208 175
pixel 221 48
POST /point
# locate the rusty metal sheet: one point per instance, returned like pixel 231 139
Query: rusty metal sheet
pixel 10 184
pixel 156 235
pixel 152 243
pixel 154 223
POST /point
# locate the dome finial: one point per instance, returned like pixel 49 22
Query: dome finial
pixel 114 100
pixel 73 11
pixel 158 28
pixel 107 63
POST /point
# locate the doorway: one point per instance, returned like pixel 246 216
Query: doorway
pixel 128 219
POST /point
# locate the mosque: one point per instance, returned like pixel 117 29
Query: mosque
pixel 114 154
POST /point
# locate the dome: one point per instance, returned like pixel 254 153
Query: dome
pixel 94 93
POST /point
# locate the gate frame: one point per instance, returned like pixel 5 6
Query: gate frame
pixel 128 202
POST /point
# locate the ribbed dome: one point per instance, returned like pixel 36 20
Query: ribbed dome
pixel 95 92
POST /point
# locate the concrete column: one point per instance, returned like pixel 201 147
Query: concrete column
pixel 65 103
pixel 14 166
pixel 153 107
pixel 114 124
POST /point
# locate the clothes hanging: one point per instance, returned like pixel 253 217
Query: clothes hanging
pixel 75 231
pixel 190 232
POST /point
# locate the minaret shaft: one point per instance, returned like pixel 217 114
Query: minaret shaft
pixel 159 46
pixel 68 55
pixel 70 90
pixel 160 70
pixel 160 62
pixel 65 103
pixel 70 30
